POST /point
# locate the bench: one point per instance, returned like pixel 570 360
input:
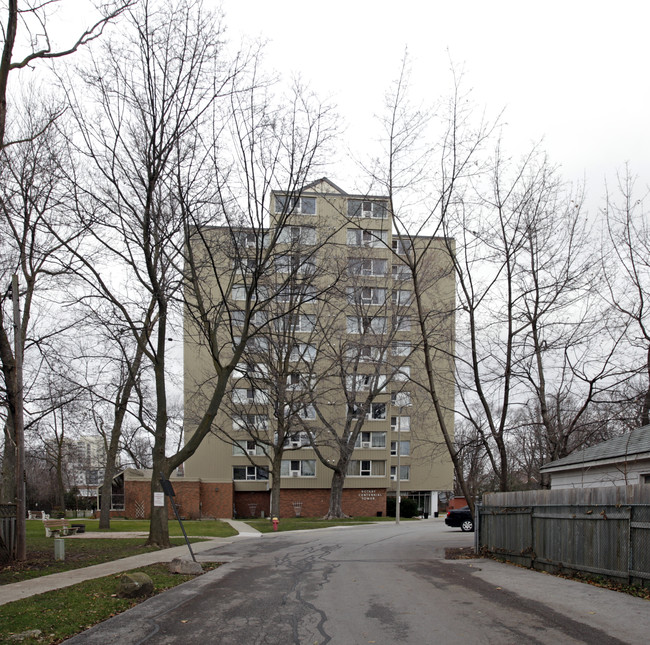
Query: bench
pixel 37 515
pixel 55 528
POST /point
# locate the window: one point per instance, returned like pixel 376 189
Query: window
pixel 298 440
pixel 363 353
pixel 295 264
pixel 371 440
pixel 405 448
pixel 404 424
pixel 356 410
pixel 400 348
pixel 402 374
pixel 257 319
pixel 366 295
pixel 245 265
pixel 401 323
pixel 307 412
pixel 296 205
pixel 298 235
pixel 400 399
pixel 298 468
pixel 245 239
pixel 364 324
pixel 367 266
pixel 302 352
pixel 401 297
pixel 377 412
pixel 249 473
pixel 296 323
pixel 401 272
pixel 404 472
pixel 249 395
pixel 401 246
pixel 296 293
pixel 299 381
pixel 257 344
pixel 251 422
pixel 359 382
pixel 367 208
pixel 250 370
pixel 239 292
pixel 644 479
pixel 366 468
pixel 372 238
pixel 247 448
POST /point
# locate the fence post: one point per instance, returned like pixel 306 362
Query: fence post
pixel 533 545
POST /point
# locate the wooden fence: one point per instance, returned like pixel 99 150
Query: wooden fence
pixel 7 531
pixel 600 531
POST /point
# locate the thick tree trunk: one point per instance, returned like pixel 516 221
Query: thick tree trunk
pixel 107 484
pixel 159 527
pixel 60 485
pixel 275 485
pixel 8 489
pixel 336 496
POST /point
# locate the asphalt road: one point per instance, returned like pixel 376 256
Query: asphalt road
pixel 382 584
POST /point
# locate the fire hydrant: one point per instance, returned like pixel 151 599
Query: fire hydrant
pixel 275 521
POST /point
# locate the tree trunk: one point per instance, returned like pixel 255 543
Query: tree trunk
pixel 336 496
pixel 275 484
pixel 8 489
pixel 60 485
pixel 107 484
pixel 159 529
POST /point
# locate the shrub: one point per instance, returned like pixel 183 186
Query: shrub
pixel 407 508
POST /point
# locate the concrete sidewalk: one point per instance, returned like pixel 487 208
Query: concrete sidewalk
pixel 26 588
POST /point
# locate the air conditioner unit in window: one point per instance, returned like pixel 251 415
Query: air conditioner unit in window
pixel 250 451
pixel 294 473
pixel 365 444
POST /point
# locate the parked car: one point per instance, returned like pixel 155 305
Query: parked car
pixel 460 517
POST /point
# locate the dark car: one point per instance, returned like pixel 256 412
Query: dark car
pixel 460 517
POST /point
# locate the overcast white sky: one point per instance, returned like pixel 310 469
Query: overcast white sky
pixel 573 73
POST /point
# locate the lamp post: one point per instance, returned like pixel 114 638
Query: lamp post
pixel 397 474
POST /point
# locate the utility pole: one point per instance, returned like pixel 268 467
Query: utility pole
pixel 19 427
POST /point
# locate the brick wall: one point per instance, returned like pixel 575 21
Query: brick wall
pixel 244 500
pixel 217 503
pixel 314 502
pixel 195 500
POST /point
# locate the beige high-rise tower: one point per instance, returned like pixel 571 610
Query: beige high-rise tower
pixel 334 363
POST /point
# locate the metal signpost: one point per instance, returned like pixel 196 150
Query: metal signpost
pixel 169 491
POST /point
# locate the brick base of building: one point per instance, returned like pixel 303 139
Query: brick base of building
pixel 197 500
pixel 310 502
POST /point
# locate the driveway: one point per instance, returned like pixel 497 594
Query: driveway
pixel 382 584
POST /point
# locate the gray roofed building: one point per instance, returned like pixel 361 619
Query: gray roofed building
pixel 617 462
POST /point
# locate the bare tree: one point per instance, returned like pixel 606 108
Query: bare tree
pixel 180 134
pixel 426 172
pixel 627 269
pixel 281 359
pixel 358 358
pixel 27 39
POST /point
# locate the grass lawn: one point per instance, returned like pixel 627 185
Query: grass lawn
pixel 298 523
pixel 204 528
pixel 62 613
pixel 80 552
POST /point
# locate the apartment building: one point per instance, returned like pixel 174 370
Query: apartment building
pixel 334 364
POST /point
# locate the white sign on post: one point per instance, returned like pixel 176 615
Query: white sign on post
pixel 159 499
